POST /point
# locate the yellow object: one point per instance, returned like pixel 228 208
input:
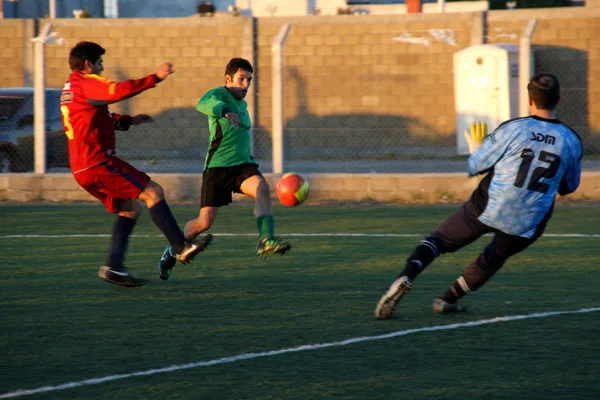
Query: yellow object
pixel 475 135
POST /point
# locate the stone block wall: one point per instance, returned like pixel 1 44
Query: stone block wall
pixel 349 80
pixel 566 44
pixel 395 68
pixel 16 52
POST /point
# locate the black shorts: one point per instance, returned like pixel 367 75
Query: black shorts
pixel 463 227
pixel 219 183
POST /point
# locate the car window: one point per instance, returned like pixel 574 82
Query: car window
pixel 53 106
pixel 9 106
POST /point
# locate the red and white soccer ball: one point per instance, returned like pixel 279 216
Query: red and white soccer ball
pixel 292 189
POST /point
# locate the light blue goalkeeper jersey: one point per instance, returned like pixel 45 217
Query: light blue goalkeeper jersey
pixel 529 161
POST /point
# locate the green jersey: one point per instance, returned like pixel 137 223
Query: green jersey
pixel 227 146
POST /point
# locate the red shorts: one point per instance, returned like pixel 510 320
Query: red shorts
pixel 112 182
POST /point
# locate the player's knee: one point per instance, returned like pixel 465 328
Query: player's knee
pixel 136 210
pixel 153 194
pixel 130 209
pixel 132 214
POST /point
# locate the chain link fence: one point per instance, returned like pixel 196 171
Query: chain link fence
pixel 342 143
pixel 353 143
pixel 16 130
pixel 368 147
pixel 570 66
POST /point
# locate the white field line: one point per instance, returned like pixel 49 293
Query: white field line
pixel 323 234
pixel 308 347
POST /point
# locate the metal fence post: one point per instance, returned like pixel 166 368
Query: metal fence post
pixel 525 66
pixel 39 100
pixel 249 52
pixel 277 56
pixel 52 9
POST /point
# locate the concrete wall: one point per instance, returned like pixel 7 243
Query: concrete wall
pixel 380 68
pixel 405 188
pixel 344 69
pixel 566 43
pixel 16 52
pixel 344 74
pixel 427 8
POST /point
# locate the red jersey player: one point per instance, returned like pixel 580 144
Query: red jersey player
pixel 90 130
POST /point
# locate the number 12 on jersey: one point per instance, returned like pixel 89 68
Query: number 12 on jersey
pixel 535 184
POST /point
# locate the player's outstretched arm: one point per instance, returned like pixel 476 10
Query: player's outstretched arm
pixel 101 91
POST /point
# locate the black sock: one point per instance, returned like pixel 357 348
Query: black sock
pixel 421 257
pixel 165 221
pixel 411 269
pixel 120 239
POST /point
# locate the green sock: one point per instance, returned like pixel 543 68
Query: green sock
pixel 266 226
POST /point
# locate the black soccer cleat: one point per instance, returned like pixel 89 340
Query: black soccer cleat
pixel 120 277
pixel 166 264
pixel 192 248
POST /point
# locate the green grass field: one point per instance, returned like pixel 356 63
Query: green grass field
pixel 234 326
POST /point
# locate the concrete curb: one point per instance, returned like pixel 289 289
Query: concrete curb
pixel 404 188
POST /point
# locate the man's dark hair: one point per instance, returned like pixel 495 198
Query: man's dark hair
pixel 82 52
pixel 237 63
pixel 544 90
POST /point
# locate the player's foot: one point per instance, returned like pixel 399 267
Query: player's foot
pixel 442 307
pixel 390 299
pixel 120 277
pixel 192 248
pixel 166 264
pixel 270 246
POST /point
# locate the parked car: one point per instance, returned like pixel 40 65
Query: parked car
pixel 16 130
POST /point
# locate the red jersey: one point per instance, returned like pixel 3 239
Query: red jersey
pixel 89 126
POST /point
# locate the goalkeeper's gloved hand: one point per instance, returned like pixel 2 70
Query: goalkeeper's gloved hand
pixel 475 135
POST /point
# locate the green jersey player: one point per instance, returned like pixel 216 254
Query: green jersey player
pixel 229 167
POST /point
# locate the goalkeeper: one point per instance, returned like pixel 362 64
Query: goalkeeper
pixel 525 163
